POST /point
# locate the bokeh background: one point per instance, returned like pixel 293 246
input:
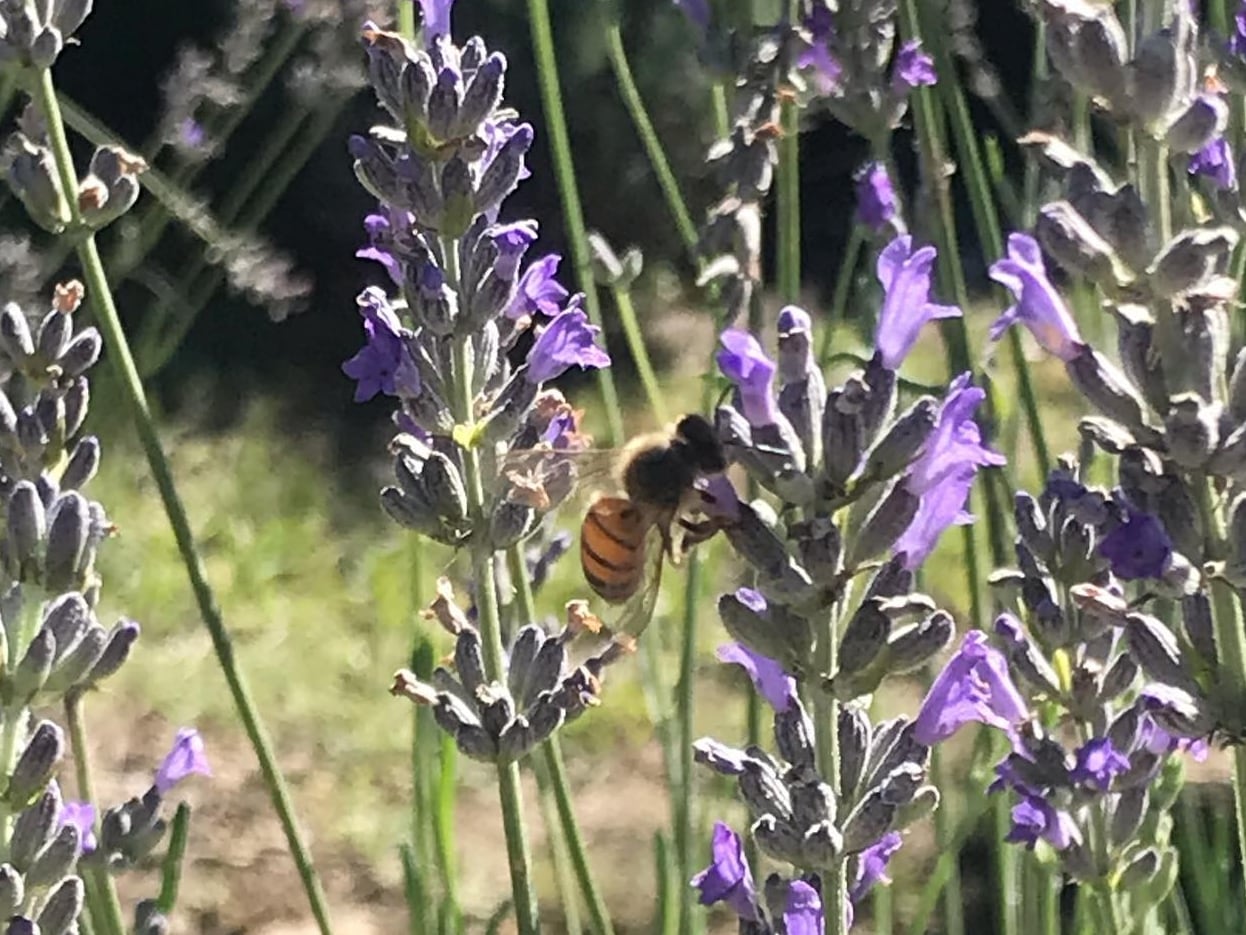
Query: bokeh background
pixel 280 469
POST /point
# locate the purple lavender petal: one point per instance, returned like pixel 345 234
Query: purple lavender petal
pixel 1038 305
pixel 905 278
pixel 745 364
pixel 186 758
pixel 728 878
pixel 1138 548
pixel 803 913
pixel 567 341
pixel 974 686
pixel 771 682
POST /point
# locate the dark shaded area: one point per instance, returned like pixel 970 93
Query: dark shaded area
pixel 127 48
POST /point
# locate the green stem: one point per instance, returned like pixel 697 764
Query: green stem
pixel 644 127
pixel 953 906
pixel 640 355
pixel 789 202
pixel 100 296
pixel 490 622
pixel 107 901
pixel 557 843
pixel 555 768
pixel 171 869
pixel 842 290
pixel 564 172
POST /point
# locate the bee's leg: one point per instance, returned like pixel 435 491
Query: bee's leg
pixel 697 532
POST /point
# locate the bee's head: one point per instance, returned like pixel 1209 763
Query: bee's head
pixel 701 443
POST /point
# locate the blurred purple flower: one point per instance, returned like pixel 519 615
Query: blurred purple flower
pixel 1138 548
pixel 727 878
pixel 876 197
pixel 383 364
pixel 745 364
pixel 567 341
pixel 1097 762
pixel 973 686
pixel 1159 741
pixel 1215 161
pixel 1034 818
pixel 1038 305
pixel 803 913
pixel 816 53
pixel 771 682
pixel 186 758
pixel 82 816
pixel 1237 41
pixel 872 865
pixel 913 68
pixel 698 13
pixel 905 278
pixel 944 472
pixel 436 18
pixel 538 290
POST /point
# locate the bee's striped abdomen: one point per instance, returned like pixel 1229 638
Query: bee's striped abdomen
pixel 612 547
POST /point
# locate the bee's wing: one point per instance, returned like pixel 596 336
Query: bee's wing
pixel 638 610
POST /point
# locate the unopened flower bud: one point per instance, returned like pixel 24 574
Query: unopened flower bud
pixel 469 661
pixel 1155 77
pixel 502 174
pixel 85 654
pixel 854 742
pixel 863 639
pixel 759 545
pixel 793 735
pixel 904 440
pixel 1155 648
pixel 443 104
pixel 818 545
pixel 116 651
pixel 1191 259
pixel 482 96
pixel 1127 815
pixel 32 177
pixel 53 336
pixel 32 671
pixel 869 821
pixel 12 890
pixel 57 860
pixel 61 910
pixel 34 829
pixel 27 524
pixel 1197 620
pixel 36 764
pixel 149 920
pixel 1135 331
pixel 916 645
pixel 413 92
pixel 1070 240
pixel 82 465
pixel 843 438
pixel 768 628
pixel 1198 124
pixel 884 525
pixel 1191 430
pixel 1105 387
pixel 69 533
pixel 763 792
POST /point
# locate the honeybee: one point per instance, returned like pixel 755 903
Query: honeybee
pixel 659 514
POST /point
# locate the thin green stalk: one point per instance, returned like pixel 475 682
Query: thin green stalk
pixel 640 355
pixel 175 854
pixel 489 620
pixel 556 770
pixel 644 127
pixel 100 296
pixel 557 842
pixel 788 181
pixel 842 290
pixel 564 172
pixel 953 904
pixel 105 891
pixel 683 792
pixel 444 796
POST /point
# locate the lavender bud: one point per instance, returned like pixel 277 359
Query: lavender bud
pixel 724 760
pixel 1155 648
pixel 1198 124
pixel 482 96
pixel 1024 657
pixel 1135 336
pixel 1237 388
pixel 510 522
pixel 763 792
pixel 85 654
pixel 821 844
pixel 891 580
pixel 767 628
pixel 443 104
pixel 868 822
pixel 818 545
pixel 27 523
pixel 863 639
pixel 53 336
pixel 854 742
pixel 32 177
pixel 1127 814
pixel 778 839
pixel 469 661
pixel 57 860
pixel 1140 871
pixel 387 61
pixel 15 339
pixel 36 766
pixel 444 489
pixel 1230 459
pixel 1154 77
pixel 843 438
pixel 34 828
pixel 546 671
pixel 904 440
pixel 414 89
pixel 1191 430
pixel 1201 350
pixel 502 175
pixel 12 890
pixel 77 400
pixel 1190 260
pixel 528 641
pixel 32 671
pixel 1119 678
pixel 921 805
pixel 82 353
pixel 68 541
pixel 916 645
pixel 757 543
pixel 68 15
pixel 149 920
pixel 82 465
pixel 1199 628
pixel 1070 240
pixel 1032 526
pixel 1105 387
pixel 793 736
pixel 116 651
pixel 62 908
pixel 884 525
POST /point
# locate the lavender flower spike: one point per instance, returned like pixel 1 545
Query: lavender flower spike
pixel 185 759
pixel 745 364
pixel 943 474
pixel 905 278
pixel 728 878
pixel 567 341
pixel 973 686
pixel 771 682
pixel 1038 305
